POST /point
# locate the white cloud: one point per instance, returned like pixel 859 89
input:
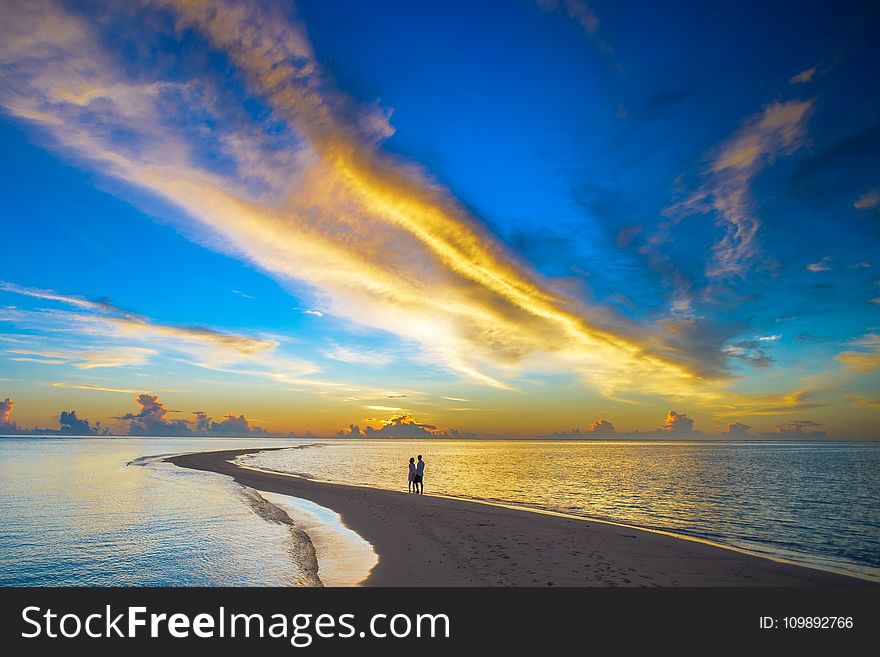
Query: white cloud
pixel 358 357
pixel 776 131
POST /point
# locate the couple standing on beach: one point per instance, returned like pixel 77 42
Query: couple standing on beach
pixel 416 475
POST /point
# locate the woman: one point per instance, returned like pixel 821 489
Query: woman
pixel 412 473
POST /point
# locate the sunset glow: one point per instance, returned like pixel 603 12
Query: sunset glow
pixel 222 216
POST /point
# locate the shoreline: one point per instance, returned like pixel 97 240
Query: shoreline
pixel 449 541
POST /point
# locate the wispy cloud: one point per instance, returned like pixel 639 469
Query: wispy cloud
pixel 97 334
pixel 128 322
pixel 867 402
pixel 776 131
pixel 376 237
pixel 799 428
pixel 95 388
pixel 866 356
pixel 87 359
pixel 358 356
pixel 822 265
pixel 804 76
pixel 868 200
pixel 577 10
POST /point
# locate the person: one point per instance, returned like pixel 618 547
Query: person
pixel 412 474
pixel 420 476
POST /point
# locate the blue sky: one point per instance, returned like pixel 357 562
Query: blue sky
pixel 553 211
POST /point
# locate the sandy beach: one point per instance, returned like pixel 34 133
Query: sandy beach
pixel 438 541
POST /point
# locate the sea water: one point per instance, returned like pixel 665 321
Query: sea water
pixel 107 511
pixel 102 512
pixel 811 503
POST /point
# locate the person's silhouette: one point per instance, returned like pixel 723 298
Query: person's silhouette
pixel 412 475
pixel 420 476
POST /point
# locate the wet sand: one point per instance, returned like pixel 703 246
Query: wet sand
pixel 438 541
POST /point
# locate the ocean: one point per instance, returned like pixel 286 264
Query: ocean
pixel 806 502
pixel 104 511
pixel 73 512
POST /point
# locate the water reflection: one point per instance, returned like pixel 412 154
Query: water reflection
pixel 812 503
pixel 73 513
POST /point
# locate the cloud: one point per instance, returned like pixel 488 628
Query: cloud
pixel 577 10
pixel 73 426
pixel 202 422
pixel 736 430
pixel 401 426
pixel 150 419
pixel 357 356
pixel 797 429
pixel 83 386
pixel 353 431
pixel 823 265
pixel 769 338
pixel 803 76
pixel 581 12
pixel 866 359
pixel 233 425
pixel 127 339
pixel 675 425
pixel 229 425
pixel 6 407
pixel 735 404
pixel 868 200
pixel 776 131
pixel 751 352
pixel 598 429
pixel 627 234
pixel 867 402
pixel 307 194
pixel 316 313
pixel 87 359
pixel 678 423
pixel 132 323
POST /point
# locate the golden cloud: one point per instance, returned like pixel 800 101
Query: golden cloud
pixel 374 237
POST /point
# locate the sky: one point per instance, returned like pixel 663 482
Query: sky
pixel 450 218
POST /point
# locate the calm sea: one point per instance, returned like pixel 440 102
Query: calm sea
pixel 75 512
pixel 811 503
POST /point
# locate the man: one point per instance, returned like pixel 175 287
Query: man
pixel 420 476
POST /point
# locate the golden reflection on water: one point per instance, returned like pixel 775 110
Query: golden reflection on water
pixel 813 502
